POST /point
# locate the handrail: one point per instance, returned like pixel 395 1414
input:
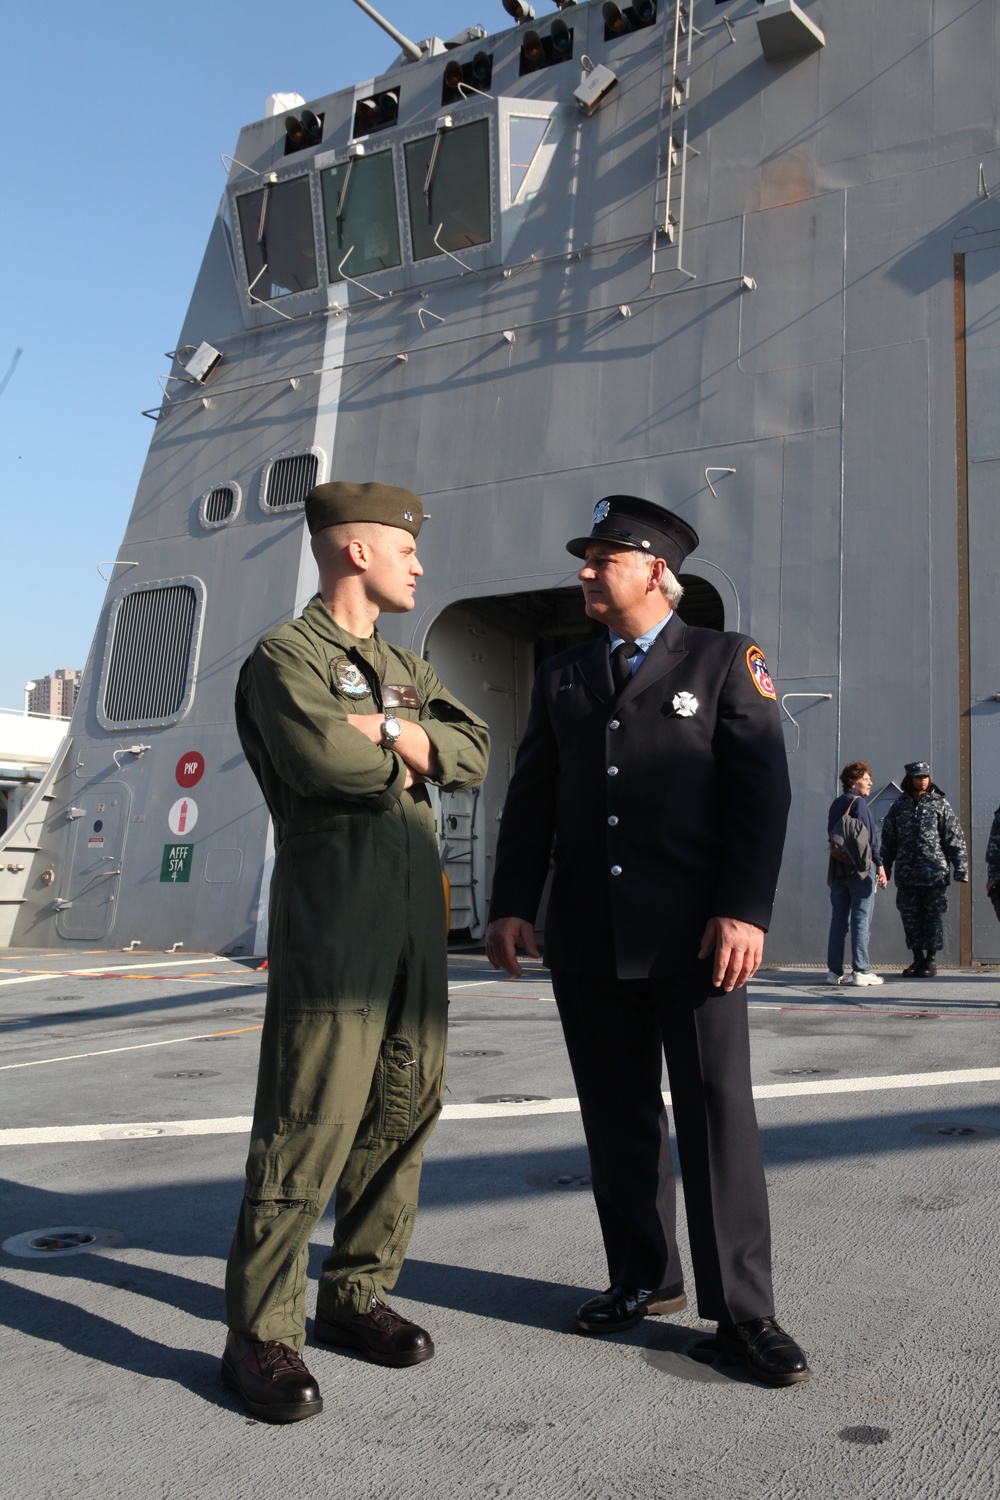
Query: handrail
pixel 824 697
pixel 33 714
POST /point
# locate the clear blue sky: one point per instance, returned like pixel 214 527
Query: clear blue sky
pixel 114 116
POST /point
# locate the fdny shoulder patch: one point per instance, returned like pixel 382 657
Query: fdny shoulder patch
pixel 757 667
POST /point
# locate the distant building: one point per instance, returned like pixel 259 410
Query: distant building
pixel 55 696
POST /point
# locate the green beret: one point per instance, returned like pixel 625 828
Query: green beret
pixel 341 504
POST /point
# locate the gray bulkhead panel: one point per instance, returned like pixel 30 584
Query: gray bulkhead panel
pixel 249 571
pixel 982 309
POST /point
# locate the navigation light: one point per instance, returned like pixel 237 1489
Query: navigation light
pixel 562 38
pixel 302 130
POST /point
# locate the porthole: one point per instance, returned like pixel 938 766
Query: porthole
pixel 219 506
pixel 286 481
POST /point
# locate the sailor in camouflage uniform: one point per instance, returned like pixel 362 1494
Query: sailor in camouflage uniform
pixel 923 839
pixel 993 864
pixel 343 731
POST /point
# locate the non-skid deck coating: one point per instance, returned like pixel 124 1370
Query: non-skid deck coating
pixel 127 1080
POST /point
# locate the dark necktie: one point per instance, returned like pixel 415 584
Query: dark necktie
pixel 621 663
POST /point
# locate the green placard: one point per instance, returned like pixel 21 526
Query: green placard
pixel 176 866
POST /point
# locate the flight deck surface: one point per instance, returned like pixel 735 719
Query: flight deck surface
pixel 127 1083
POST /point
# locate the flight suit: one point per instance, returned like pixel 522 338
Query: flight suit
pixel 351 1074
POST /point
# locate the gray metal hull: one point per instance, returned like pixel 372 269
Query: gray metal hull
pixel 807 368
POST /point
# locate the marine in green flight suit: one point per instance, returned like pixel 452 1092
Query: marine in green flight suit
pixel 344 731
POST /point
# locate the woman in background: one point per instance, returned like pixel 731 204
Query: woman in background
pixel 852 894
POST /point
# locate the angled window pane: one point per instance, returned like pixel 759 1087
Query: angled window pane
pixel 459 195
pixel 366 230
pixel 276 226
pixel 524 136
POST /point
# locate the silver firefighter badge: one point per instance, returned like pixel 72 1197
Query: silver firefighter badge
pixel 685 705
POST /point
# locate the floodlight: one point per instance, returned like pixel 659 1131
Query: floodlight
pixel 614 18
pixel 562 39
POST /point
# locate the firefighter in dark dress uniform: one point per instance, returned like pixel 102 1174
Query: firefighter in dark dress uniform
pixel 653 757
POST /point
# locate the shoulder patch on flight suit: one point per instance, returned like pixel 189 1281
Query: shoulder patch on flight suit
pixel 347 678
pixel 757 667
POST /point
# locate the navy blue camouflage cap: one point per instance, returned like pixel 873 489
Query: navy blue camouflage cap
pixel 627 521
pixel 917 768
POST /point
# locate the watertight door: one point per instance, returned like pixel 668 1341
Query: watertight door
pixel 90 887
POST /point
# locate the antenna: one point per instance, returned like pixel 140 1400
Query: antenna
pixel 411 49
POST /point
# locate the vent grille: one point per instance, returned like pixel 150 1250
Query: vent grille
pixel 148 664
pixel 219 505
pixel 289 480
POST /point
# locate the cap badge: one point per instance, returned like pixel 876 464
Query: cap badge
pixel 349 679
pixel 685 705
pixel 601 511
pixel 407 515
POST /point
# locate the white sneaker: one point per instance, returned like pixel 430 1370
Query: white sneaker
pixel 832 978
pixel 868 977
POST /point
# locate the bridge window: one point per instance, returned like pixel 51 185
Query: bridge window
pixel 359 206
pixel 448 184
pixel 525 134
pixel 276 226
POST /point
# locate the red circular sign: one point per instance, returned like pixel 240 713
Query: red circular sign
pixel 190 768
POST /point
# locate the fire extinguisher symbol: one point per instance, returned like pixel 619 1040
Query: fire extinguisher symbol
pixel 183 816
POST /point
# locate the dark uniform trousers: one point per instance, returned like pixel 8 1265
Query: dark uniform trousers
pixel 923 908
pixel 617 1032
pixel 348 1093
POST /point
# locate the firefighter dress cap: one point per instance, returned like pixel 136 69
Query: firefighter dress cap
pixel 340 503
pixel 917 768
pixel 626 521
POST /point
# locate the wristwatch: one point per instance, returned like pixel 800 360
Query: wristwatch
pixel 391 730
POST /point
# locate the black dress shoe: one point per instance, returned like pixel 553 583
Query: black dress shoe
pixel 768 1350
pixel 621 1307
pixel 270 1379
pixel 385 1336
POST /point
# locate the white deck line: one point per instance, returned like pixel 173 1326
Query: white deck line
pixel 36 976
pixel 170 1041
pixel 45 1135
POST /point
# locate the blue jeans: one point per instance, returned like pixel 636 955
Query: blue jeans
pixel 852 901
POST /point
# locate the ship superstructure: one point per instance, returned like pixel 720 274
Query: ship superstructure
pixel 740 258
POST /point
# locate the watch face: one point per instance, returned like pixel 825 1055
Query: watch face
pixel 391 729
